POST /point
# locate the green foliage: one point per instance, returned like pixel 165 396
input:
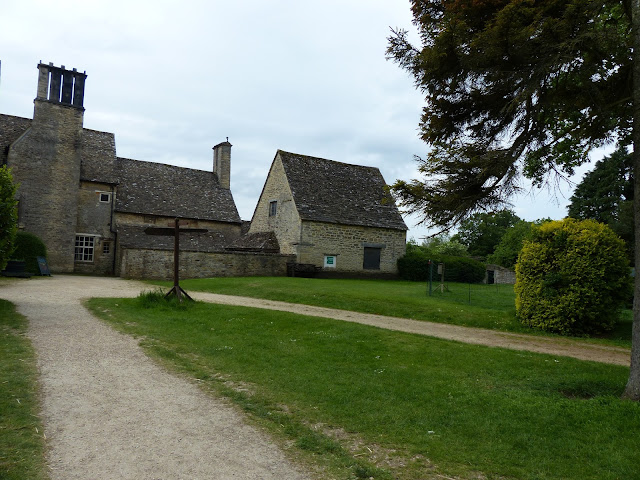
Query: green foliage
pixel 482 232
pixel 156 298
pixel 606 195
pixel 28 248
pixel 507 251
pixel 572 277
pixel 8 215
pixel 511 88
pixel 443 245
pixel 414 266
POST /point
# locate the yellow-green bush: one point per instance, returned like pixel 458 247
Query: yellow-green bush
pixel 572 278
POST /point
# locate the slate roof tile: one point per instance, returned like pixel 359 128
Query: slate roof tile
pixel 159 189
pixel 334 192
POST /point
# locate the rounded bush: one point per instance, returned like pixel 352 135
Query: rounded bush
pixel 414 266
pixel 572 278
pixel 28 247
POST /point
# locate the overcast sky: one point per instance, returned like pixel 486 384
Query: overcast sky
pixel 171 79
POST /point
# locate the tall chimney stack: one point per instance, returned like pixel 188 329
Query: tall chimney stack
pixel 222 163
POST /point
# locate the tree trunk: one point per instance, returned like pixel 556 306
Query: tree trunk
pixel 632 391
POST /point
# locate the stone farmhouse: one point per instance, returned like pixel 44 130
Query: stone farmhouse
pixel 92 208
pixel 330 214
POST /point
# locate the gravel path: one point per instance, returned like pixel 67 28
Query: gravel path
pixel 110 413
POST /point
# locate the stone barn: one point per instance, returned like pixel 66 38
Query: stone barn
pixel 335 216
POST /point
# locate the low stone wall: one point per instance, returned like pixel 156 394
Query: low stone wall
pixel 500 275
pixel 158 264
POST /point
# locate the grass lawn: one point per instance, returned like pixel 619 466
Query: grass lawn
pixel 21 433
pixel 366 402
pixel 476 305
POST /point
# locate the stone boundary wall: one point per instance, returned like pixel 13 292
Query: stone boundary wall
pixel 158 264
pixel 501 275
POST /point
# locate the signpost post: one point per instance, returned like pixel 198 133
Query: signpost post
pixel 175 233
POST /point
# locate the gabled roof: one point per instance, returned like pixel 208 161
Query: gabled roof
pixel 159 189
pixel 328 191
pixel 97 150
pixel 98 154
pixel 134 236
pixel 10 129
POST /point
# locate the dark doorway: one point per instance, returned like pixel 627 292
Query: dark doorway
pixel 371 258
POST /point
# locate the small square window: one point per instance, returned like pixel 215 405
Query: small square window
pixel 273 208
pixel 105 197
pixel 106 247
pixel 330 261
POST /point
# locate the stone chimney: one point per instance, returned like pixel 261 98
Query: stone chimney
pixel 59 85
pixel 222 163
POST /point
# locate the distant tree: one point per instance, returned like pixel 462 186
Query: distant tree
pixel 8 215
pixel 482 232
pixel 445 245
pixel 606 195
pixel 507 251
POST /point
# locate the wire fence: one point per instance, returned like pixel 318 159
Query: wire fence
pixel 496 295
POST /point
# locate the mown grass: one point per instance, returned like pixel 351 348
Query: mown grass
pixel 367 402
pixel 475 305
pixel 21 434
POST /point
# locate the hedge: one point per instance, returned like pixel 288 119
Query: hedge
pixel 28 247
pixel 572 278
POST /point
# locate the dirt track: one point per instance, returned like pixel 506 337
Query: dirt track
pixel 111 413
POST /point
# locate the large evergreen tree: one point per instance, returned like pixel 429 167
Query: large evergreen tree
pixel 517 87
pixel 605 194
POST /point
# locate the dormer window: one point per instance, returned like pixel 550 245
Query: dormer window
pixel 273 208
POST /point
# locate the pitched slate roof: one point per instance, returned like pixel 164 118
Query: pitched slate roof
pixel 98 149
pixel 10 129
pixel 134 236
pixel 256 242
pixel 328 191
pixel 98 154
pixel 159 189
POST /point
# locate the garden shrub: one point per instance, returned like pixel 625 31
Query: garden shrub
pixel 28 247
pixel 572 278
pixel 414 266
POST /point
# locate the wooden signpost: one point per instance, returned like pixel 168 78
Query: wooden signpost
pixel 175 233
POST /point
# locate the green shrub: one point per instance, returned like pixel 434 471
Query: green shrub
pixel 572 278
pixel 8 215
pixel 28 247
pixel 414 266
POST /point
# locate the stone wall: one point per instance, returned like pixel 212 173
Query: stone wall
pixel 500 275
pixel 158 264
pixel 94 218
pixel 286 222
pixel 45 160
pixel 347 243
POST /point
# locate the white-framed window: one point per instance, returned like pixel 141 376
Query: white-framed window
pixel 105 197
pixel 273 208
pixel 330 261
pixel 84 248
